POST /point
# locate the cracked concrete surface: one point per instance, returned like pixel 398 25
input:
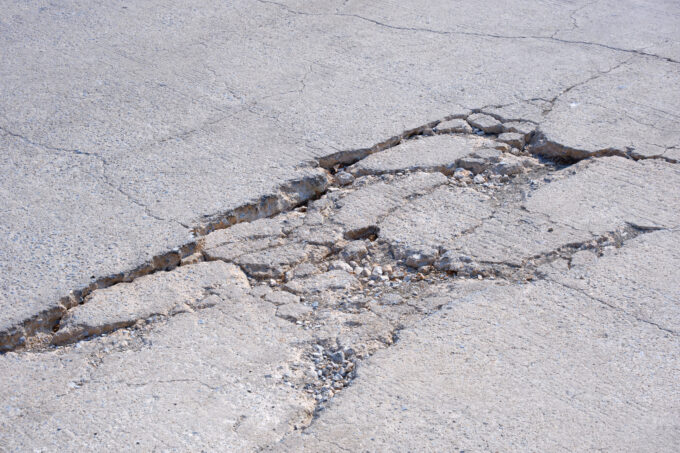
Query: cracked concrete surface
pixel 340 226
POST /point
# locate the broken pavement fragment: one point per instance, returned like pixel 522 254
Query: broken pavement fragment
pixel 453 126
pixel 514 139
pixel 417 230
pixel 427 153
pixel 248 237
pixel 358 212
pixel 200 380
pixel 612 192
pixel 486 123
pixel 526 130
pixel 276 261
pixel 158 294
pixel 572 206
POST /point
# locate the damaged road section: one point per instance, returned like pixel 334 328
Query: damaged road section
pixel 491 147
pixel 287 314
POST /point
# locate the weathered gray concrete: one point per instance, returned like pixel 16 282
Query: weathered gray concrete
pixel 135 135
pixel 177 112
pixel 532 368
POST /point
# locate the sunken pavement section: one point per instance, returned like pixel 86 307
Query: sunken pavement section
pixel 469 285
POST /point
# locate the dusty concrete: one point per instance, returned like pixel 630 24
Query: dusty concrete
pixel 532 368
pixel 273 225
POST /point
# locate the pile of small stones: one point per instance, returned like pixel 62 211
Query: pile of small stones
pixel 334 370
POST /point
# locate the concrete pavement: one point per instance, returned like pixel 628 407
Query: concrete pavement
pixel 135 135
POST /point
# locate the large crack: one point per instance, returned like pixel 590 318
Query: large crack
pixel 288 197
pixel 381 283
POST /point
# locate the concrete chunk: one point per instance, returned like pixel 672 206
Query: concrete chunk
pixel 487 123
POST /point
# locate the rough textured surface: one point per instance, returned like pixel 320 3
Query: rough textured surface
pixel 572 206
pixel 154 120
pixel 159 294
pixel 534 368
pixel 436 153
pixel 339 226
pixel 191 383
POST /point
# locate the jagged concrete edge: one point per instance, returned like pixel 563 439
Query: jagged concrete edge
pixel 288 196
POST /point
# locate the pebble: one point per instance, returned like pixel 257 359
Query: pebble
pixel 344 178
pixel 462 173
pixel 479 179
pixel 341 265
pixel 354 251
pixel 338 356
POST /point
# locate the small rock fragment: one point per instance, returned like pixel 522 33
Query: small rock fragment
pixel 354 251
pixel 480 160
pixel 343 178
pixel 462 173
pixel 456 125
pixel 525 129
pixel 512 138
pixel 338 356
pixel 460 264
pixel 512 165
pixel 488 124
pixel 421 258
pixel 293 312
pixel 479 179
pixel 337 264
pixel 192 259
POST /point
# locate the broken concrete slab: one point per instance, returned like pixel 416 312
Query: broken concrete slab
pixel 486 123
pixel 359 212
pixel 424 226
pixel 453 126
pixel 525 129
pixel 635 193
pixel 293 312
pixel 275 262
pixel 571 208
pixel 193 382
pixel 514 139
pixel 480 160
pixel 625 130
pixel 429 153
pixel 159 294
